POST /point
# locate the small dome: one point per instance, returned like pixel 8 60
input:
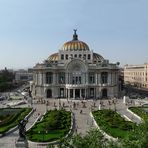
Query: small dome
pixel 97 57
pixel 54 57
pixel 75 44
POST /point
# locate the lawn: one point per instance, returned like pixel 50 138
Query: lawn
pixel 55 125
pixel 10 117
pixel 113 124
pixel 140 111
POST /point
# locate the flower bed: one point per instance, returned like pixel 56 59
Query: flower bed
pixel 113 124
pixel 10 117
pixel 55 125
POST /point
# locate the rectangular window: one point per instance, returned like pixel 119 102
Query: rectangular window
pixel 62 57
pixel 49 78
pixel 88 56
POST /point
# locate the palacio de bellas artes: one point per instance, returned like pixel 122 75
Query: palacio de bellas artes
pixel 75 72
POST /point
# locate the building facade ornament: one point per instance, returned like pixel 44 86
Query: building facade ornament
pixel 75 72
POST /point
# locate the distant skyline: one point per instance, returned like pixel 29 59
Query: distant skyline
pixel 31 30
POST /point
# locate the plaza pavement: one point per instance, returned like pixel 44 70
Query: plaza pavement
pixel 81 111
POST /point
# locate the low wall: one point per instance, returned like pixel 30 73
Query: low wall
pixel 105 134
pixel 135 114
pixel 16 127
pixel 57 141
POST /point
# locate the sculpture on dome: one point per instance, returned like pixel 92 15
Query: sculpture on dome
pixel 75 36
pixel 75 30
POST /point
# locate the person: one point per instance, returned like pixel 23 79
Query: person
pixel 81 111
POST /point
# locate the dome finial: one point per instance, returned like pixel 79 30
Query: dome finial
pixel 75 36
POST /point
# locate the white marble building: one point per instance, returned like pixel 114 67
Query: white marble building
pixel 75 72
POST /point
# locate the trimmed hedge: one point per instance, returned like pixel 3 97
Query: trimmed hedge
pixel 55 125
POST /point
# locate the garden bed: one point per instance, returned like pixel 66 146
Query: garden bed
pixel 54 126
pixel 140 111
pixel 10 117
pixel 113 124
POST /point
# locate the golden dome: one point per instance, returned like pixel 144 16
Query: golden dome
pixel 97 57
pixel 54 57
pixel 75 44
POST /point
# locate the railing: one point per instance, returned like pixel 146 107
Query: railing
pixel 75 85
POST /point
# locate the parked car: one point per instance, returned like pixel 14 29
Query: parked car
pixel 2 98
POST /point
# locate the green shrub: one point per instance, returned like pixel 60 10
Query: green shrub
pixel 13 119
pixel 112 123
pixel 54 125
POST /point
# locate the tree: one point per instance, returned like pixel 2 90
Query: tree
pixel 139 138
pixel 6 80
pixel 92 139
pixel 95 139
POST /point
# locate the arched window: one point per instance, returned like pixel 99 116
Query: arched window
pixel 88 56
pixel 91 78
pixel 104 77
pixel 66 56
pixel 62 57
pixel 62 78
pixel 49 77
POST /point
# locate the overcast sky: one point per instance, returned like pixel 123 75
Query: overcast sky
pixel 31 30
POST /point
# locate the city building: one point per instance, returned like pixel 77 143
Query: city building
pixel 136 75
pixel 23 76
pixel 75 72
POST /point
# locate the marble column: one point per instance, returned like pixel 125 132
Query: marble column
pixel 96 78
pixel 54 78
pixel 109 79
pixel 80 93
pixel 68 93
pixel 74 93
pixel 99 78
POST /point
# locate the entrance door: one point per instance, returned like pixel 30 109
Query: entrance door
pixel 71 93
pixel 61 92
pixel 77 93
pixel 83 93
pixel 49 93
pixel 104 93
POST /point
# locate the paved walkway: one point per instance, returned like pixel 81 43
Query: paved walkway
pixel 9 140
pixel 123 111
pixel 83 121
